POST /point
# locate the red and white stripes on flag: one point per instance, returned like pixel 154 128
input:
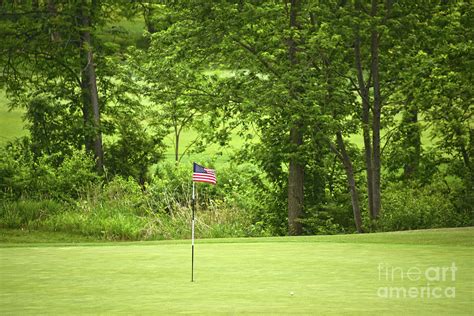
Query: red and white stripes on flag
pixel 201 174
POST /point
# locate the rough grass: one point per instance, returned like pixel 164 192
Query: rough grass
pixel 27 238
pixel 292 275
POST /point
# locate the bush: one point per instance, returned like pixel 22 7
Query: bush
pixel 74 175
pixel 407 208
pixel 322 222
pixel 122 210
pixel 23 177
pixel 245 188
pixel 124 194
pixel 14 170
pixel 170 188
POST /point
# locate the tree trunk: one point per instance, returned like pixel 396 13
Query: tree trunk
pixel 467 157
pixel 364 92
pixel 90 96
pixel 295 186
pixel 346 161
pixel 296 167
pixel 412 141
pixel 148 16
pixel 377 107
pixel 469 151
pixel 176 144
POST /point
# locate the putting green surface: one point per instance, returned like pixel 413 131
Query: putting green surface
pixel 423 272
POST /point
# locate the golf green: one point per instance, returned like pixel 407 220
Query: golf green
pixel 419 272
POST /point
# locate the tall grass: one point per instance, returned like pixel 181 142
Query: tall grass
pixel 106 223
pixel 23 214
pixel 120 210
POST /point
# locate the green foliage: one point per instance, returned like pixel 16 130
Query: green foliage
pixel 101 223
pixel 14 169
pixel 224 69
pixel 322 224
pixel 407 208
pixel 123 210
pixel 54 128
pixel 22 176
pixel 242 196
pixel 135 150
pixel 247 190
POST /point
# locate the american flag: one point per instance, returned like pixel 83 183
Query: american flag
pixel 201 174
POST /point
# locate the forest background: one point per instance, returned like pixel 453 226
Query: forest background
pixel 319 117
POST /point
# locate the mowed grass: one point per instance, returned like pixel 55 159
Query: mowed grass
pixel 288 275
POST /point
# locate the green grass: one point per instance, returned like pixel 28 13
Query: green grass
pixel 326 274
pixel 221 155
pixel 11 125
pixel 17 237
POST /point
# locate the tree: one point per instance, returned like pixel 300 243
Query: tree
pixel 135 150
pixel 342 154
pixel 370 123
pixel 179 94
pixel 446 92
pixel 441 83
pixel 50 47
pixel 89 92
pixel 296 166
pixel 274 87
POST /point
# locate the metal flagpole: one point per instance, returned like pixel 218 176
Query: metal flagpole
pixel 192 238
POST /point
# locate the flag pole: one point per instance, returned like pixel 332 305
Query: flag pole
pixel 192 237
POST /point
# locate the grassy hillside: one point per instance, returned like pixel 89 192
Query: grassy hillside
pixel 292 275
pixel 11 124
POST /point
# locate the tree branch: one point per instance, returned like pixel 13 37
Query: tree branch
pixel 252 50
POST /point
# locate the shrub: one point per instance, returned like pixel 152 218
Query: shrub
pixel 74 175
pixel 14 170
pixel 170 188
pixel 21 176
pixel 407 208
pixel 245 188
pixel 135 148
pixel 322 223
pixel 124 194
